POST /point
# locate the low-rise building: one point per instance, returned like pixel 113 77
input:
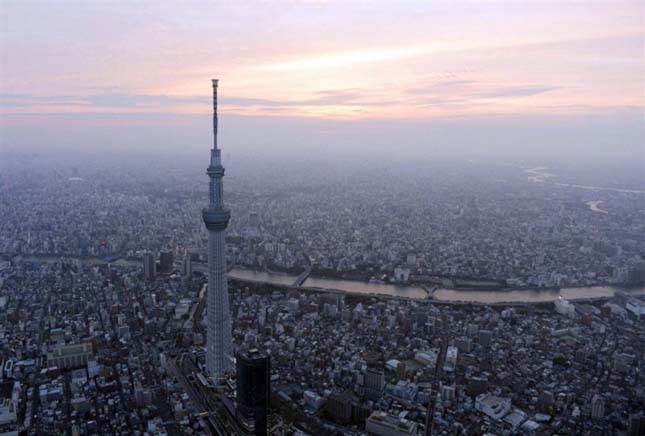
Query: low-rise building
pixel 493 406
pixel 382 424
pixel 70 356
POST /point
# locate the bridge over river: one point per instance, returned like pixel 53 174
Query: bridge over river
pixel 445 295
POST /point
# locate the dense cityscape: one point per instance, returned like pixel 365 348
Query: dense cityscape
pixel 96 350
pixel 478 221
pixel 104 314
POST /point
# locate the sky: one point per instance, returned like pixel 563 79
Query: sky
pixel 327 67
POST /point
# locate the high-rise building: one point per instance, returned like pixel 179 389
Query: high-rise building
pixel 166 262
pixel 485 337
pixel 448 393
pixel 451 359
pixel 636 425
pixel 149 267
pixel 187 266
pixel 339 407
pixel 374 383
pixel 219 346
pixel 597 407
pixel 253 390
pixel 254 220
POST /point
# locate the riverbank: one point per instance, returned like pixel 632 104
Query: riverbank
pixel 441 295
pixel 444 295
pixel 594 206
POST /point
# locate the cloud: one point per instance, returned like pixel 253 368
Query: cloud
pixel 96 100
pixel 127 100
pixel 439 86
pixel 451 95
pixel 515 91
pixel 322 98
pixel 344 58
pixel 25 100
pixel 468 89
pixel 439 101
pixel 460 93
pixel 139 100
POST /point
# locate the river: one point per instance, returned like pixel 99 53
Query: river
pixel 531 295
pixel 539 175
pixel 251 275
pixel 441 294
pixel 416 292
pixel 351 286
pixel 357 287
pixel 594 205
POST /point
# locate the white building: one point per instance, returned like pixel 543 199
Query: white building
pixel 427 358
pixel 636 307
pixel 564 307
pixel 392 364
pixel 405 390
pixel 6 369
pixel 382 424
pixel 495 407
pixel 451 359
pixel 313 400
pixel 401 275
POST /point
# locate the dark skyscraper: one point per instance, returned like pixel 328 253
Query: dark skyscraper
pixel 166 261
pixel 253 390
pixel 187 266
pixel 149 267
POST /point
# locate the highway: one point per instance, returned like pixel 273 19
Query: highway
pixel 218 421
pixel 435 388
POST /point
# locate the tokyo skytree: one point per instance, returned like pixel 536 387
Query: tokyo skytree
pixel 219 346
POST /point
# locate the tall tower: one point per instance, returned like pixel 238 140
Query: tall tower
pixel 219 345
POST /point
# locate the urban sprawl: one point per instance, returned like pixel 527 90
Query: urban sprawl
pixel 103 302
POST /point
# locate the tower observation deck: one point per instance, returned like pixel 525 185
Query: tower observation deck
pixel 219 347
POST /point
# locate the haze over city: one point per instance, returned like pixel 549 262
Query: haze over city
pixel 325 218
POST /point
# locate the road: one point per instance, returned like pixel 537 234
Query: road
pixel 216 419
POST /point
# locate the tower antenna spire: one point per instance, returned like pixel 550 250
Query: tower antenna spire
pixel 215 81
